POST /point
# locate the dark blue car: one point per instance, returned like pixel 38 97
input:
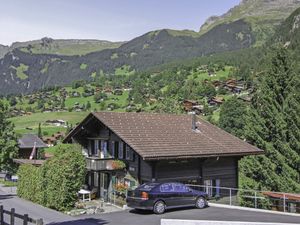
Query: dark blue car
pixel 161 196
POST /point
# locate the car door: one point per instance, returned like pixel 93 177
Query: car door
pixel 186 196
pixel 168 194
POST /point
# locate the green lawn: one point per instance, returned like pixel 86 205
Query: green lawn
pixel 8 183
pixel 32 121
pixel 200 75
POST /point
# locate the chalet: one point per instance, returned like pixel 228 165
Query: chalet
pixel 26 144
pixel 156 147
pixel 50 141
pixel 215 101
pixel 291 202
pixel 188 104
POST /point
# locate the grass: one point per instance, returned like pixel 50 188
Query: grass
pixel 124 70
pixel 83 66
pixel 72 48
pixel 114 56
pixel 20 71
pixel 8 183
pixel 32 121
pixel 219 75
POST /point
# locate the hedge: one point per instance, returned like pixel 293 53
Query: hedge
pixel 55 184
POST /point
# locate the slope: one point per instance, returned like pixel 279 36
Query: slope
pixel 262 15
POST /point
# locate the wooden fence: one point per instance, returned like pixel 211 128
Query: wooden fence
pixel 13 215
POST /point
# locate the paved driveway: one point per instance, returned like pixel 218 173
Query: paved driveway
pixel 131 217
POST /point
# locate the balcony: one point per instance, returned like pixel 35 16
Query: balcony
pixel 98 164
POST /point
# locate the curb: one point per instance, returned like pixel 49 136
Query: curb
pixel 252 209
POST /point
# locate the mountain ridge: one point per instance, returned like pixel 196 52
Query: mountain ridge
pixel 48 45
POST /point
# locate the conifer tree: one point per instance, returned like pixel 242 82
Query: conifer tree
pixel 273 125
pixel 8 142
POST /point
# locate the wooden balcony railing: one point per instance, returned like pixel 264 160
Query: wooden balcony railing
pixel 98 164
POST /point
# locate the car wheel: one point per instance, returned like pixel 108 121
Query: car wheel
pixel 201 203
pixel 159 207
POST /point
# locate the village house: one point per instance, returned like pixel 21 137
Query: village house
pixel 215 101
pixel 29 149
pixel 156 147
pixel 188 104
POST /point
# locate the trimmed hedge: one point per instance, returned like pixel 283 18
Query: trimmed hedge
pixel 56 183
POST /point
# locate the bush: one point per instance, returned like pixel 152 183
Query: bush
pixel 56 183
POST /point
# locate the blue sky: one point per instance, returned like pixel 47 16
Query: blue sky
pixel 115 20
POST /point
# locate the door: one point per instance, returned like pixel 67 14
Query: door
pixel 208 187
pixel 186 197
pixel 167 192
pixel 104 184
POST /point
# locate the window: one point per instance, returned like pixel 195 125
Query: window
pixel 104 153
pixel 116 149
pixel 112 149
pixel 180 188
pixel 128 153
pixel 121 150
pixel 97 147
pixel 218 182
pixel 92 147
pixel 168 187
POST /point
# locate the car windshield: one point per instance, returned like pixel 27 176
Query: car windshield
pixel 147 186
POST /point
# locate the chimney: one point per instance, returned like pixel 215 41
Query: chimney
pixel 193 120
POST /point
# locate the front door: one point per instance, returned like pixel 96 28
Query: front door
pixel 104 184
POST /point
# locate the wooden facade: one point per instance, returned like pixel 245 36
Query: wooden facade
pixel 102 146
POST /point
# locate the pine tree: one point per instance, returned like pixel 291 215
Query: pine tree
pixel 40 131
pixel 273 125
pixel 8 142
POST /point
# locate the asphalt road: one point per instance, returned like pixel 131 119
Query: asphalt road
pixel 131 217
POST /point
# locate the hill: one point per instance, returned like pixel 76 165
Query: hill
pixel 60 46
pixel 24 72
pixel 27 68
pixel 262 15
pixel 3 50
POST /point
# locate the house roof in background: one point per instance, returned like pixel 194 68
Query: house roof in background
pixel 28 140
pixel 166 136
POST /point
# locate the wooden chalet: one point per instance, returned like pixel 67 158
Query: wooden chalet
pixel 26 144
pixel 188 104
pixel 157 147
pixel 215 101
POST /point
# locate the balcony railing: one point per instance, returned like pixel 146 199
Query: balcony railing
pixel 98 164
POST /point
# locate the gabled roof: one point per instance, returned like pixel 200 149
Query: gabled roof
pixel 28 140
pixel 166 136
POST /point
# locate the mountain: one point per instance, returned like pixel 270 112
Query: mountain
pixel 60 46
pixel 3 50
pixel 24 71
pixel 262 15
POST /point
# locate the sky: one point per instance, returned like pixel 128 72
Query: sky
pixel 113 20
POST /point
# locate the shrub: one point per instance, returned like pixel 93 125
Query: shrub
pixel 118 165
pixel 56 183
